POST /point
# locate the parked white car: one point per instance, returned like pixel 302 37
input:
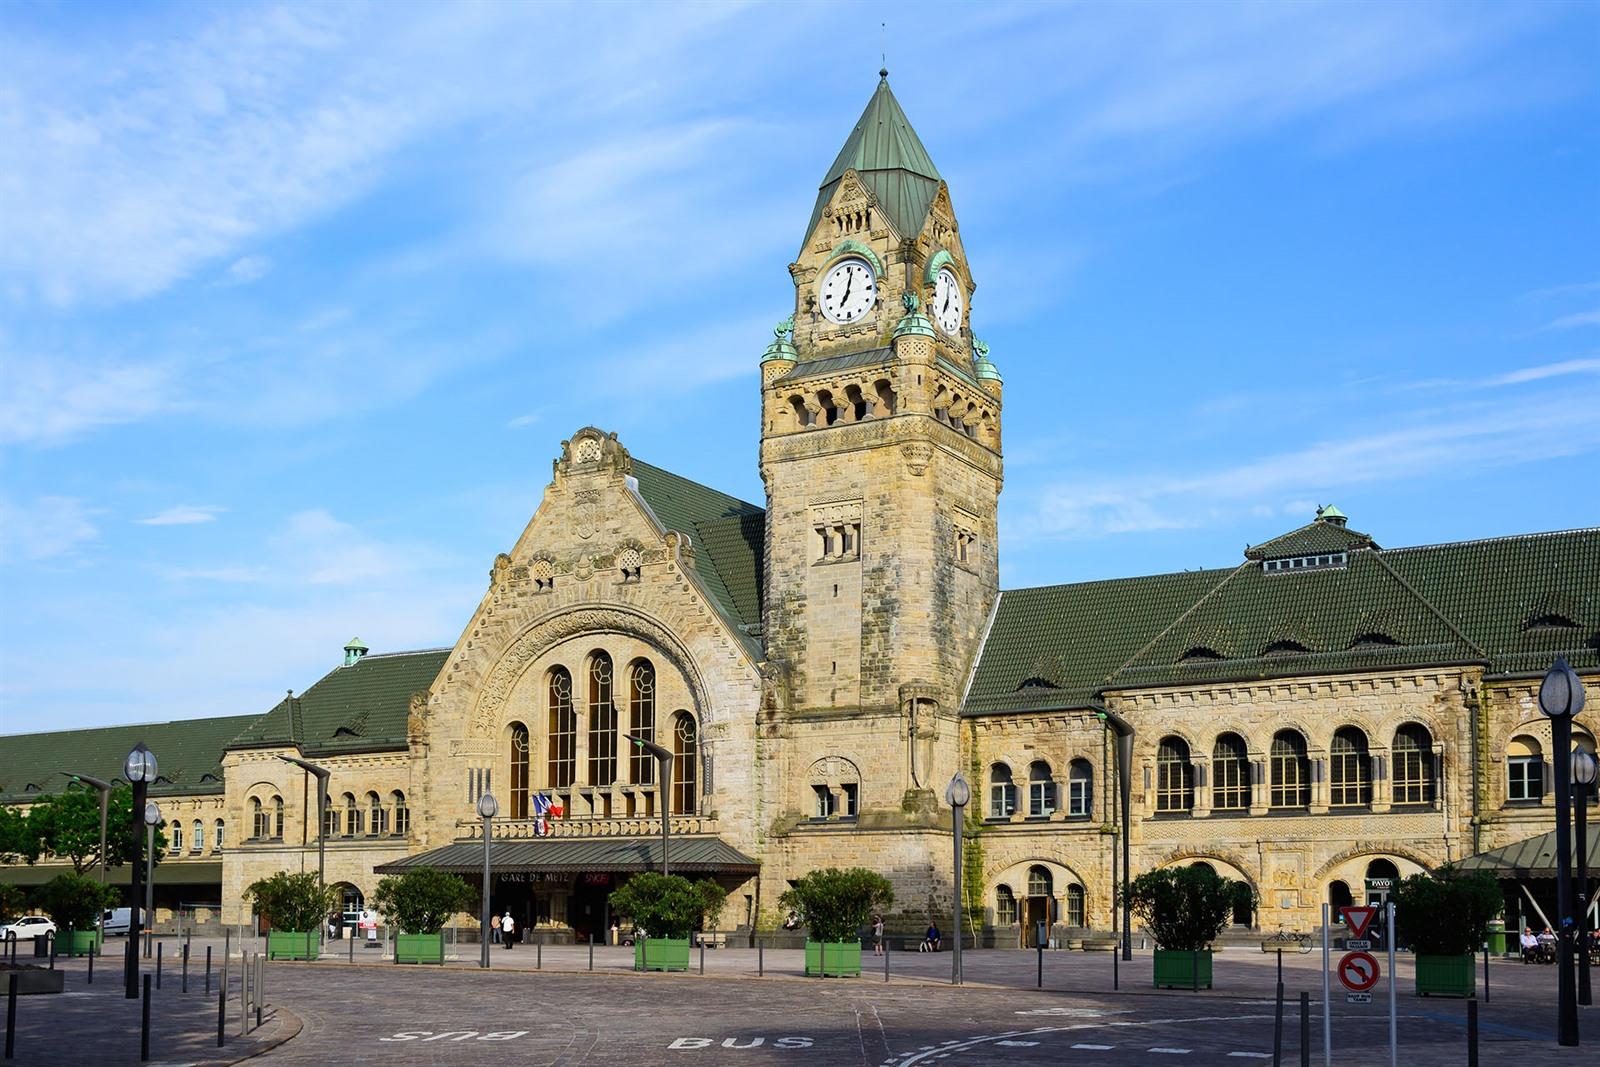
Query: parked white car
pixel 26 927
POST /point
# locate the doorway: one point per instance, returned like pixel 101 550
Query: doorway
pixel 1037 909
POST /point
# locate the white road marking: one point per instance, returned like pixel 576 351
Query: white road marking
pixel 1173 1051
pixel 1017 1044
pixel 1094 1048
pixel 1252 1055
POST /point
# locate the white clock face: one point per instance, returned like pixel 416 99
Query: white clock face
pixel 848 291
pixel 947 302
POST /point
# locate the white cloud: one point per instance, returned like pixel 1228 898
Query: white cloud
pixel 51 399
pixel 1548 370
pixel 1581 318
pixel 47 527
pixel 247 269
pixel 523 420
pixel 184 515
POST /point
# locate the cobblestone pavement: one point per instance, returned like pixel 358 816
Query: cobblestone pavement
pixel 458 1016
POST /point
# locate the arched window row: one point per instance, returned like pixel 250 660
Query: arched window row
pixel 1039 904
pixel 1288 775
pixel 615 705
pixel 1043 797
pixel 266 818
pixel 856 402
pixel 369 814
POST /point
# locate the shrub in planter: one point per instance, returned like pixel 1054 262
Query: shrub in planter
pixel 667 908
pixel 1444 917
pixel 418 904
pixel 296 907
pixel 1184 908
pixel 836 904
pixel 75 903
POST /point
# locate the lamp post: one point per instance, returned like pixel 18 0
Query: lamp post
pixel 1584 771
pixel 140 770
pixel 102 787
pixel 152 819
pixel 956 794
pixel 1561 696
pixel 664 790
pixel 488 808
pixel 1124 731
pixel 321 774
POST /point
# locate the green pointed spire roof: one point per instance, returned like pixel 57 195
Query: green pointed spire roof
pixel 888 154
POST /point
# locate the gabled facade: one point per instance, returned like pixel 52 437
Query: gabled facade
pixel 1323 712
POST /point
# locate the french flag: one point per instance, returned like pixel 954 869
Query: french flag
pixel 543 805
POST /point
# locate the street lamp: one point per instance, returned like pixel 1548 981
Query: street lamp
pixel 103 787
pixel 664 788
pixel 488 808
pixel 1584 771
pixel 1561 696
pixel 956 794
pixel 321 774
pixel 152 819
pixel 140 770
pixel 1124 731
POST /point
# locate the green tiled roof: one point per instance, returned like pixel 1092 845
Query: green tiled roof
pixel 727 535
pixel 1314 538
pixel 835 364
pixel 188 756
pixel 888 155
pixel 355 708
pixel 1503 603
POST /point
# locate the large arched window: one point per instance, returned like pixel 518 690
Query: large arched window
pixel 175 835
pixel 1080 789
pixel 1041 790
pixel 197 842
pixel 259 827
pixel 1174 776
pixel 1350 770
pixel 1230 774
pixel 1413 765
pixel 330 818
pixel 563 729
pixel 1002 793
pixel 1039 882
pixel 352 816
pixel 642 719
pixel 519 771
pixel 1524 769
pixel 1075 905
pixel 1291 771
pixel 216 837
pixel 685 764
pixel 602 722
pixel 402 814
pixel 1005 906
pixel 277 818
pixel 378 816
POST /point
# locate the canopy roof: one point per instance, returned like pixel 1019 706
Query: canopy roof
pixel 689 855
pixel 1532 858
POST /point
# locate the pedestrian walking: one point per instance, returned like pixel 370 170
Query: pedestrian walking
pixel 877 935
pixel 494 928
pixel 508 930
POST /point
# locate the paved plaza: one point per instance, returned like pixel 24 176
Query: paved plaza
pixel 564 1014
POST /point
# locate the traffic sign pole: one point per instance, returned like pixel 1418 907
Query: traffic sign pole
pixel 1327 998
pixel 1394 1043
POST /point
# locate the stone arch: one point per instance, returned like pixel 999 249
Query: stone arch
pixel 1233 861
pixel 1259 739
pixel 1015 875
pixel 561 625
pixel 1369 850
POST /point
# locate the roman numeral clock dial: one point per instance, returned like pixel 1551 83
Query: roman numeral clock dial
pixel 848 291
pixel 947 302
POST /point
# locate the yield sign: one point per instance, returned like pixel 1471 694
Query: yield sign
pixel 1358 919
pixel 1358 971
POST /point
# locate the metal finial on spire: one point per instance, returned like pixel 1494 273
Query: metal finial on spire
pixel 883 55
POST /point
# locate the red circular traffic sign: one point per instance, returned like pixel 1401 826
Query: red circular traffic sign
pixel 1358 971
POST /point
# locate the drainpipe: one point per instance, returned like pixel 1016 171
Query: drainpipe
pixel 1124 732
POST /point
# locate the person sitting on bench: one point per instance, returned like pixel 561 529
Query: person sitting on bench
pixel 930 940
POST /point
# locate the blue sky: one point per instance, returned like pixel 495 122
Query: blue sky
pixel 297 302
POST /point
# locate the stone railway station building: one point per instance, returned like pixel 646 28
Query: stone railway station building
pixel 1321 712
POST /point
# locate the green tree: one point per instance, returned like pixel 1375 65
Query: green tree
pixel 13 899
pixel 293 902
pixel 667 905
pixel 75 902
pixel 1184 908
pixel 15 840
pixel 836 904
pixel 1447 913
pixel 67 825
pixel 423 900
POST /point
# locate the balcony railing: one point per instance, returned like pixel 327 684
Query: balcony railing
pixel 523 829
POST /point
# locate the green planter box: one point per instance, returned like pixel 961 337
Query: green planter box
pixel 1183 970
pixel 419 948
pixel 661 954
pixel 1446 976
pixel 291 945
pixel 81 943
pixel 843 958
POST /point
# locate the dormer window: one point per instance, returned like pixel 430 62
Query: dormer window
pixel 1038 683
pixel 1374 640
pixel 1285 648
pixel 1306 563
pixel 1550 621
pixel 1200 653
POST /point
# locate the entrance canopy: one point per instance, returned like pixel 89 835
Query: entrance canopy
pixel 1533 858
pixel 564 855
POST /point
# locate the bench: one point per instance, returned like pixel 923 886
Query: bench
pixel 713 939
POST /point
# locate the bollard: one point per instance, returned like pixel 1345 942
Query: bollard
pixel 1277 1025
pixel 222 1002
pixel 702 954
pixel 208 970
pixel 11 1015
pixel 158 965
pixel 91 968
pixel 1116 969
pixel 352 949
pixel 886 959
pixel 822 958
pixel 227 936
pixel 1472 1033
pixel 760 963
pixel 185 987
pixel 1486 973
pixel 591 951
pixel 144 1023
pixel 52 938
pixel 538 956
pixel 1305 1029
pixel 1041 964
pixel 261 982
pixel 244 992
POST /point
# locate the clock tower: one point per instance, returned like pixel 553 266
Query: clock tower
pixel 880 453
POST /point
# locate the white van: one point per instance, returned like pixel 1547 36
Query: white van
pixel 118 919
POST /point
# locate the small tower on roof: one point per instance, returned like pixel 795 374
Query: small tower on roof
pixel 353 651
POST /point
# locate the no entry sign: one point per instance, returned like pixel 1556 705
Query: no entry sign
pixel 1358 971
